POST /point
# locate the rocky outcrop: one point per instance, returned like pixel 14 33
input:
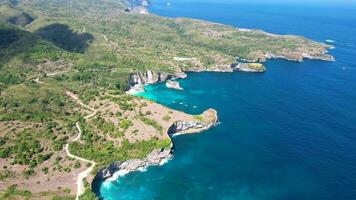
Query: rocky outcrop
pixel 205 121
pixel 180 75
pixel 173 85
pixel 183 127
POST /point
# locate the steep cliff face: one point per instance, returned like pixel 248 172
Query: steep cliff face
pixel 138 6
pixel 297 56
pixel 134 3
pixel 117 169
pixel 148 77
pixel 208 119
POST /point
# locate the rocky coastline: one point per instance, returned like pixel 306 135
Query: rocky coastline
pixel 136 83
pixel 138 80
pixel 118 169
pixel 158 156
pixel 297 57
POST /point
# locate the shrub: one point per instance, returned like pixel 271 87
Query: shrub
pixel 45 170
pixel 198 117
pixel 166 118
pixel 27 173
pixel 77 165
pixel 125 124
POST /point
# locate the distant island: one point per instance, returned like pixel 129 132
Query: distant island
pixel 66 67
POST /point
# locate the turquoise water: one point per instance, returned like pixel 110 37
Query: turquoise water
pixel 287 134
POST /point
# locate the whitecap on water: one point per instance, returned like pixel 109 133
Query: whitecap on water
pixel 330 41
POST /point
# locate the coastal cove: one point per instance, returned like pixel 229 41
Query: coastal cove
pixel 287 133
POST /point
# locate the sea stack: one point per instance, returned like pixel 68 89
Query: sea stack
pixel 173 85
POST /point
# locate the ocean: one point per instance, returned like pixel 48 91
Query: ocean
pixel 287 134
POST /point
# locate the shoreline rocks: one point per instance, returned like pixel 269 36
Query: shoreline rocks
pixel 298 57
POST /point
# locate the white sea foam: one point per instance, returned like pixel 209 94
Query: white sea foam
pixel 330 41
pixel 177 134
pixel 117 175
pixel 121 173
pixel 136 89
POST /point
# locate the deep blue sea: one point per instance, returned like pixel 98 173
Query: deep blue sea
pixel 287 134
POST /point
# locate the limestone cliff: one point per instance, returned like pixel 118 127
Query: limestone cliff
pixel 208 119
pixel 138 6
pixel 156 157
pixel 148 77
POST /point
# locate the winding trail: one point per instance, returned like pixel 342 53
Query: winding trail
pixel 111 43
pixel 84 29
pixel 37 80
pixel 84 174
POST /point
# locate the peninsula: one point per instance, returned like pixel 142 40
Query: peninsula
pixel 66 66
